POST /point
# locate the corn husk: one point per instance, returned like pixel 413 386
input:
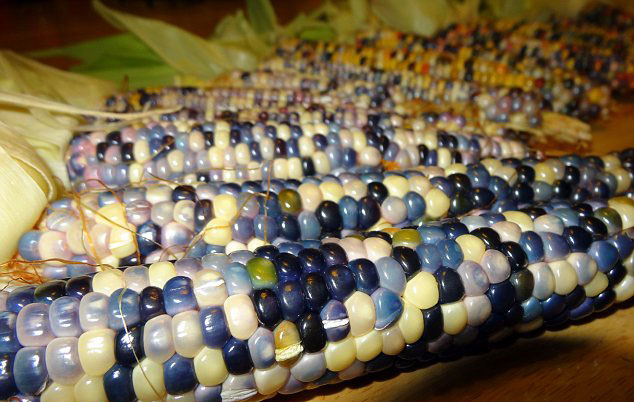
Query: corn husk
pixel 49 133
pixel 27 185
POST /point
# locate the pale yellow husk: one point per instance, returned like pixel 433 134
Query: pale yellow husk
pixel 26 185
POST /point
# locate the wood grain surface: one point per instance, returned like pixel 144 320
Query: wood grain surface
pixel 590 360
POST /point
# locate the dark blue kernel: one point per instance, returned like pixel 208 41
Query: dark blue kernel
pixel 408 259
pixel 616 274
pixel 482 197
pixel 577 238
pixel 583 209
pixel 333 254
pixel 365 275
pixel 329 218
pixel 534 212
pixel 237 358
pixel 489 237
pixel 339 281
pixel 572 175
pixel 129 344
pixel 574 298
pixel 311 260
pixel 287 267
pixel 502 296
pixel 450 285
pixel 312 332
pixel 583 310
pixel 202 214
pixel 604 300
pixel 183 192
pixel 594 226
pixel 117 382
pixel 130 260
pixel 288 227
pixel 49 291
pixel 553 306
pixel 315 291
pixel 180 376
pixel 291 299
pixel 522 193
pixel 460 182
pixel 454 229
pixel 151 303
pixel 267 307
pixel 478 175
pixel 523 282
pixel 268 251
pixel 433 320
pixel 515 254
pixel 579 194
pixel 413 351
pixel 78 286
pixel 499 187
pixel 525 174
pixel 215 331
pixel 369 212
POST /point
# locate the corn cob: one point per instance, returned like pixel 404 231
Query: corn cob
pixel 220 151
pixel 248 325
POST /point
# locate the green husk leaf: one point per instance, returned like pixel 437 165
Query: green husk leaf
pixel 116 58
pixel 421 17
pixel 184 51
pixel 262 16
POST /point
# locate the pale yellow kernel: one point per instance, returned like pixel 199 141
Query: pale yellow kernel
pixel 340 355
pixel 472 247
pixel 411 322
pixel 421 291
pixel 161 272
pixel 368 346
pixel 597 285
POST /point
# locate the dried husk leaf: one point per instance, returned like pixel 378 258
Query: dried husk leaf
pixel 26 186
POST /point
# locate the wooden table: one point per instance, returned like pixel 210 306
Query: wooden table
pixel 592 360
